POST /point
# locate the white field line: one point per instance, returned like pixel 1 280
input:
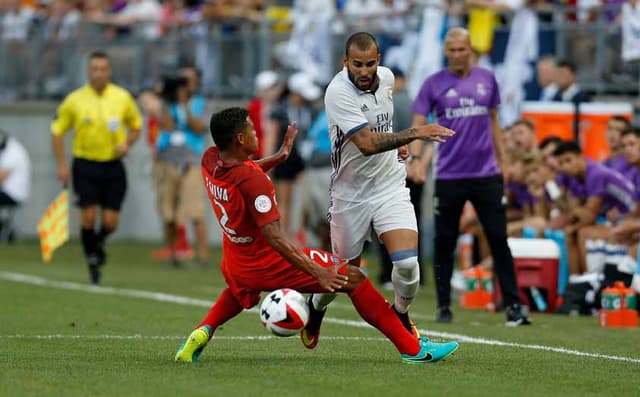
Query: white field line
pixel 181 300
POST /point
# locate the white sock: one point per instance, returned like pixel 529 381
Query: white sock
pixel 405 277
pixel 321 301
pixel 596 255
pixel 616 254
pixel 627 265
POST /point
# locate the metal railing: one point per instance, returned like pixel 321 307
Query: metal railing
pixel 46 69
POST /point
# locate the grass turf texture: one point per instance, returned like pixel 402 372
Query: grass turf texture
pixel 111 345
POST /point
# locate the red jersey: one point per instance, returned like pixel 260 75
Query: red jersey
pixel 243 199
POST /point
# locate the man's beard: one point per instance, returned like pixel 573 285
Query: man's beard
pixel 372 81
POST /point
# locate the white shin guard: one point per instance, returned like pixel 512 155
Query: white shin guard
pixel 406 279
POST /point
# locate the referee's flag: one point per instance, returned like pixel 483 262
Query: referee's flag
pixel 53 227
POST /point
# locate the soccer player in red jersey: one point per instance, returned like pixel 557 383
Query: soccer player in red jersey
pixel 259 256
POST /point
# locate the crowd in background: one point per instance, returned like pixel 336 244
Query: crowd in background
pixel 409 32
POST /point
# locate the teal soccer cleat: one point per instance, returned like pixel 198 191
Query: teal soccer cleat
pixel 190 350
pixel 430 352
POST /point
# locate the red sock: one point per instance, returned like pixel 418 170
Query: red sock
pixel 375 310
pixel 223 310
pixel 181 238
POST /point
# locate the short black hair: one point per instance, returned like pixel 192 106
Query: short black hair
pixel 631 130
pixel 567 147
pixel 565 63
pixel 225 124
pixel 550 140
pixel 362 40
pixel 99 54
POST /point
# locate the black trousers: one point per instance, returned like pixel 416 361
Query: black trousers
pixel 486 195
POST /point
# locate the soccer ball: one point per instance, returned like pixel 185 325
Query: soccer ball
pixel 284 312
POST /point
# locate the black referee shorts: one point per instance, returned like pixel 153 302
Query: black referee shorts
pixel 99 183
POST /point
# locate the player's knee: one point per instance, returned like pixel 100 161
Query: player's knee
pixel 356 276
pixel 408 267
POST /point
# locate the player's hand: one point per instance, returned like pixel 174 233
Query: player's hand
pixel 403 152
pixel 62 172
pixel 122 149
pixel 287 143
pixel 330 280
pixel 434 132
pixel 624 230
pixel 417 172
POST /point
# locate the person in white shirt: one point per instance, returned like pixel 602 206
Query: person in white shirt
pixel 367 190
pixel 15 179
pixel 15 171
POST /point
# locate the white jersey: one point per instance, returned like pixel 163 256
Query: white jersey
pixel 355 177
pixel 14 158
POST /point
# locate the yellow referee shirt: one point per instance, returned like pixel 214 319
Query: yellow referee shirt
pixel 99 121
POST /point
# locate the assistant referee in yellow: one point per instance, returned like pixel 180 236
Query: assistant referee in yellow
pixel 106 122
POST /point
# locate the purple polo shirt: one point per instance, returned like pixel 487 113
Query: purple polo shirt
pixel 520 195
pixel 617 163
pixel 615 190
pixel 462 104
pixel 632 173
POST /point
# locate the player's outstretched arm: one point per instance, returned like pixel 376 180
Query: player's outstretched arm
pixel 267 163
pixel 327 277
pixel 369 142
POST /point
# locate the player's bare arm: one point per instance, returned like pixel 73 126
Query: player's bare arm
pixel 62 171
pixel 194 123
pixel 370 143
pixel 625 229
pixel 282 154
pixel 328 278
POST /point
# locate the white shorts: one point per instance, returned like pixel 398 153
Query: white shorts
pixel 354 223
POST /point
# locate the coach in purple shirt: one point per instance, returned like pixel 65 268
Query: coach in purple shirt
pixel 465 98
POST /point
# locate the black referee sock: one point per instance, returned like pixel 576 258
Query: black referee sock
pixel 103 234
pixel 89 243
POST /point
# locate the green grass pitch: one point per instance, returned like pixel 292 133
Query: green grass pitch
pixel 60 338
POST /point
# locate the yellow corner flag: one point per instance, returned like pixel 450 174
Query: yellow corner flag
pixel 53 227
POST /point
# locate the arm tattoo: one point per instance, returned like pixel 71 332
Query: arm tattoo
pixel 383 142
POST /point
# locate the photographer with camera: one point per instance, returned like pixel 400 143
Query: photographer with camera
pixel 179 147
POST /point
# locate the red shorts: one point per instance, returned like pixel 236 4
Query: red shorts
pixel 247 290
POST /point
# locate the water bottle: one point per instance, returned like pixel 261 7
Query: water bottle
pixel 465 251
pixel 541 304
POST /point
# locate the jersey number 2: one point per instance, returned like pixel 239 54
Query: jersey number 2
pixel 224 219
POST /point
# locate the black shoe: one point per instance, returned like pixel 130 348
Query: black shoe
pixel 444 315
pixel 175 263
pixel 516 316
pixel 101 254
pixel 94 274
pixel 93 261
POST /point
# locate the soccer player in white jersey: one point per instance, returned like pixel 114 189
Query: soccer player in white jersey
pixel 368 192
